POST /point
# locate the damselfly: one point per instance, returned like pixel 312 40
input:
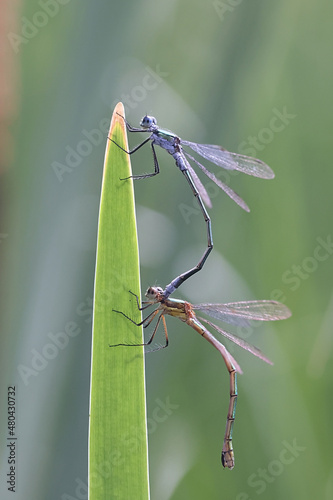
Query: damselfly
pixel 236 313
pixel 216 154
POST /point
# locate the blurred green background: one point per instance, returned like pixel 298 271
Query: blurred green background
pixel 218 72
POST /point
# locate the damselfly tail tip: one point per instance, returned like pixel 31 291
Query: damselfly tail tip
pixel 228 459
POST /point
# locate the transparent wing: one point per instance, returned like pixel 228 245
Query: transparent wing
pixel 231 161
pixel 198 184
pixel 240 342
pixel 230 192
pixel 240 313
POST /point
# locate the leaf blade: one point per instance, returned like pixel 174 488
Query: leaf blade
pixel 117 433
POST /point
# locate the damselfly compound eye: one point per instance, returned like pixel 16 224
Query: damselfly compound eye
pixel 148 121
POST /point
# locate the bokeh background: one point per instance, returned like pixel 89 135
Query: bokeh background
pixel 255 77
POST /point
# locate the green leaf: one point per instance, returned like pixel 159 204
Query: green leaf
pixel 118 464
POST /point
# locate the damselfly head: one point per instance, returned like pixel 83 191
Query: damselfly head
pixel 154 293
pixel 148 121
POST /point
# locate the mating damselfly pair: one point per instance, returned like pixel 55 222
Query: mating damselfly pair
pixel 236 313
